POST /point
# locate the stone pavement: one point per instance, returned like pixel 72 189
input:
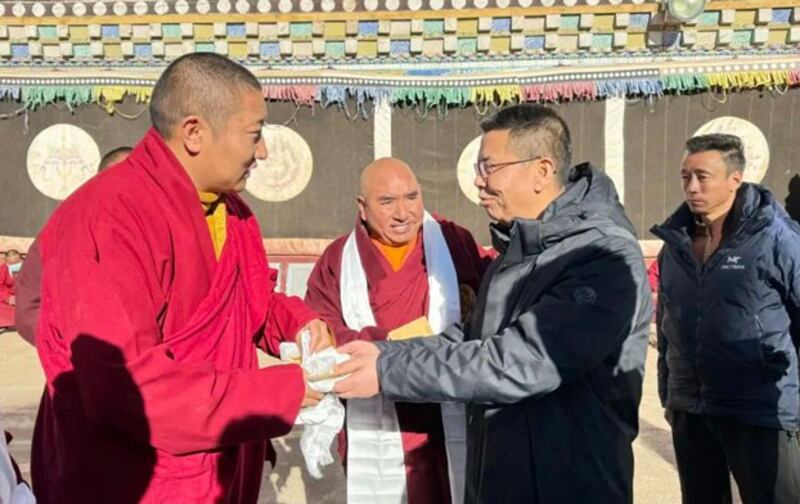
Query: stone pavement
pixel 21 383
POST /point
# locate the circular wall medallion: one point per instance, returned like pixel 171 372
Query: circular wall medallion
pixel 38 9
pixel 306 5
pixel 181 6
pixel 466 170
pixel 458 4
pixel 119 8
pixel 18 9
pixel 287 170
pixel 79 9
pixel 263 6
pixel 59 9
pixel 223 6
pixel 756 148
pixel 140 8
pixel 60 159
pixel 328 5
pixel 371 5
pixel 285 6
pixel 99 9
pixel 161 7
pixel 202 6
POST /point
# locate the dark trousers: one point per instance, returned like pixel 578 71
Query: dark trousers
pixel 765 462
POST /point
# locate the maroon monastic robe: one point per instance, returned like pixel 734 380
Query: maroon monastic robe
pixel 397 298
pixel 148 344
pixel 6 291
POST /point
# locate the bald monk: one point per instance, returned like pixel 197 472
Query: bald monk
pixel 30 276
pixel 399 264
pixel 155 294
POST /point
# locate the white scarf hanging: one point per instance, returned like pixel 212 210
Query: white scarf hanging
pixel 376 471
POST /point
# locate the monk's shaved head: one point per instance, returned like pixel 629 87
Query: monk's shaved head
pixel 378 173
pixel 201 84
pixel 390 204
pixel 13 256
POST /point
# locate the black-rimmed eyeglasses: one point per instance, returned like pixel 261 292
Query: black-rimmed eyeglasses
pixel 483 168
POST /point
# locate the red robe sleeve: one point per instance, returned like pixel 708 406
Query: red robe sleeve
pixel 322 296
pixel 287 315
pixel 105 290
pixel 29 297
pixel 6 284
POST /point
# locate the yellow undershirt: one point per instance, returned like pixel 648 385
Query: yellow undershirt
pixel 216 218
pixel 395 254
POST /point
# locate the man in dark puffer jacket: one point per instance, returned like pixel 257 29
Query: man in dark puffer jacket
pixel 728 332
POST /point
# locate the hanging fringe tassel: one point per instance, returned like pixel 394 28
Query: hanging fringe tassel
pixel 495 94
pixel 300 94
pixel 566 91
pixel 109 96
pixel 685 83
pixel 630 87
pixel 35 97
pixel 429 97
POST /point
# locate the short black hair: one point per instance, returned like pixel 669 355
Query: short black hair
pixel 730 148
pixel 203 84
pixel 535 130
pixel 113 157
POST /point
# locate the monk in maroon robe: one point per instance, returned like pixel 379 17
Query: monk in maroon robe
pixel 388 235
pixel 8 299
pixel 155 293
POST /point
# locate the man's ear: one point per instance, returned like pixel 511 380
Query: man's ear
pixel 192 132
pixel 545 173
pixel 362 207
pixel 736 177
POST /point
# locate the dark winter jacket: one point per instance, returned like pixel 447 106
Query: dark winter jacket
pixel 552 360
pixel 728 331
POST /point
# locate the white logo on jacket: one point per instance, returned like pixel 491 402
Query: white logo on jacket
pixel 732 263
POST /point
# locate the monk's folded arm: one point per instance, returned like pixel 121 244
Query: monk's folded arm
pixel 287 315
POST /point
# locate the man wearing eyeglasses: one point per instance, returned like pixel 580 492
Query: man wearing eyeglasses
pixel 551 362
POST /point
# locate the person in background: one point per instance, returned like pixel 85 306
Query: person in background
pixel 402 255
pixel 728 332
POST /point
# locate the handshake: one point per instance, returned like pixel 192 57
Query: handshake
pixel 355 374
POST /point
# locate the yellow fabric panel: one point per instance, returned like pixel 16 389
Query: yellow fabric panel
pixel 745 18
pixel 467 27
pixel 603 23
pixel 237 49
pixel 113 50
pixel 79 33
pixel 368 48
pixel 335 30
pixel 203 32
pixel 637 40
pixel 500 44
pixel 216 218
pixel 777 37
